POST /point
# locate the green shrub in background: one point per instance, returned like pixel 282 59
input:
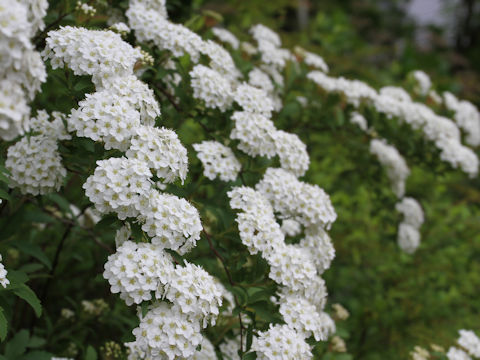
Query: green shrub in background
pixel 55 247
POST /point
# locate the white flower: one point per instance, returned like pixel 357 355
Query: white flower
pixel 172 222
pixel 292 153
pixel 281 342
pixel 305 203
pixel 117 185
pixel 396 167
pixel 137 270
pixel 318 242
pixel 457 354
pixel 256 134
pixel 466 116
pixel 291 227
pixel 256 223
pixel 408 238
pixel 166 333
pixel 302 316
pixel 195 292
pixel 3 275
pixel 207 352
pixel 218 160
pixel 470 342
pixel 102 54
pixel 412 211
pixel 150 24
pixel 161 150
pixel 253 100
pixel 35 165
pixel 359 120
pixel 423 82
pixel 211 87
pixel 226 36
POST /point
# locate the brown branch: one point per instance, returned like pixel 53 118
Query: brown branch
pixel 169 97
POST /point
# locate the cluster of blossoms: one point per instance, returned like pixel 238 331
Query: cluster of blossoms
pixel 34 162
pixel 3 275
pixel 423 82
pixel 218 160
pixel 311 59
pixel 85 8
pixel 469 347
pixel 408 230
pixel 121 114
pixel 136 270
pixel 466 115
pixel 397 103
pixel 295 267
pixel 22 70
pixel 394 163
pixel 226 36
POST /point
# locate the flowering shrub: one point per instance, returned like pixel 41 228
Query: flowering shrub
pixel 159 164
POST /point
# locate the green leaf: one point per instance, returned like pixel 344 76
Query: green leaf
pixel 16 278
pixel 27 294
pixel 4 194
pixel 34 250
pixel 3 325
pixel 249 356
pixel 37 355
pixel 18 345
pixel 91 354
pixel 36 341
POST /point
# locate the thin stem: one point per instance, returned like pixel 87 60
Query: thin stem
pixel 230 280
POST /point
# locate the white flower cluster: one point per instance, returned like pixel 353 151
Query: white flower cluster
pixel 469 341
pixel 457 354
pixel 253 100
pixel 281 342
pixel 122 115
pixel 226 36
pixel 292 153
pixel 409 229
pixel 311 59
pixel 255 134
pixel 102 54
pixel 229 348
pixel 269 46
pixel 195 292
pixel 161 150
pixel 466 116
pixel 207 352
pixel 151 24
pixel 258 136
pixel 261 80
pixel 166 333
pixel 121 28
pixel 306 203
pixel 394 163
pixel 395 102
pixel 34 162
pixel 354 90
pixel 359 120
pixel 295 267
pixel 21 68
pixel 35 165
pixel 211 87
pixel 85 8
pixel 137 270
pixel 3 275
pixel 217 160
pixel 423 82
